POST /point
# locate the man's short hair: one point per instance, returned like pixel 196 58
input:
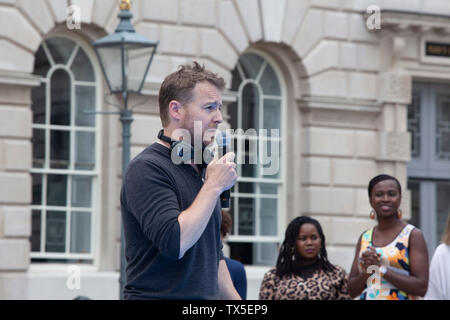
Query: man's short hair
pixel 179 86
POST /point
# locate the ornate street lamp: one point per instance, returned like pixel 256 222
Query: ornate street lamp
pixel 125 57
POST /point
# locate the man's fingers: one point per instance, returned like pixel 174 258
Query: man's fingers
pixel 229 157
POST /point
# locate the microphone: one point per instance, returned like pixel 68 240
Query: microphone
pixel 223 142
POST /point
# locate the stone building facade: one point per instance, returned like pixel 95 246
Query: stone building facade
pixel 350 100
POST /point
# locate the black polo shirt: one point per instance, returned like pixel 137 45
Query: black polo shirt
pixel 154 192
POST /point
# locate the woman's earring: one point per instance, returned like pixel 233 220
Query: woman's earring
pixel 372 214
pixel 293 254
pixel 399 214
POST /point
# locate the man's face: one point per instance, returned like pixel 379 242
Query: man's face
pixel 203 112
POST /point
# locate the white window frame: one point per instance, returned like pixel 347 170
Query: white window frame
pixel 281 181
pixel 95 208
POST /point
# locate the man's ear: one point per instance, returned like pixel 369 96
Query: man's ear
pixel 175 110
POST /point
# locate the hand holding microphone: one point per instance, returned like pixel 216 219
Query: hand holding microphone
pixel 222 171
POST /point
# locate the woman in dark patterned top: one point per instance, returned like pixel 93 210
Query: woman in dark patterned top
pixel 303 271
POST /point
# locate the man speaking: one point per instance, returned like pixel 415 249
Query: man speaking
pixel 171 211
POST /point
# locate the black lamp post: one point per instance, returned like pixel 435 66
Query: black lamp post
pixel 125 57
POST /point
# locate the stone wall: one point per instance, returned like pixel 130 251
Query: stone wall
pixel 348 88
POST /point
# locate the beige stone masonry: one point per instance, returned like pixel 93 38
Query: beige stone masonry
pixel 294 16
pixel 163 11
pixel 272 13
pixel 328 201
pixel 103 9
pixel 305 40
pixel 231 26
pixel 16 222
pixel 198 12
pixel 394 146
pixel 328 142
pixel 15 27
pixel 15 122
pixel 215 47
pixel 14 58
pixel 38 13
pixel 394 88
pixel 14 254
pixel 316 171
pixel 250 14
pixel 15 188
pixel 17 155
pixel 354 173
pixel 179 40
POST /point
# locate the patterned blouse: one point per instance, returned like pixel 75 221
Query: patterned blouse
pixel 320 285
pixel 394 256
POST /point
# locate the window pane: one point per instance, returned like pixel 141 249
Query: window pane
pixel 110 58
pixel 55 235
pixel 268 217
pixel 246 187
pixel 272 113
pixel 246 216
pixel 443 208
pixel 414 124
pixel 85 101
pixel 268 188
pixel 60 98
pixel 232 115
pixel 269 82
pixel 414 187
pixel 80 232
pixel 81 191
pixel 251 64
pixel 41 63
pixel 35 230
pixel 37 188
pixel 59 149
pixel 60 49
pixel 138 58
pixel 38 103
pixel 38 141
pixel 56 190
pixel 85 151
pixel 82 67
pixel 236 80
pixel 443 127
pixel 250 107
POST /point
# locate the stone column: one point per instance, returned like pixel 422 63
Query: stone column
pixel 15 182
pixel 394 140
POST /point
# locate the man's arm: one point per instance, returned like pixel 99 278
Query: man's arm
pixel 227 291
pixel 220 175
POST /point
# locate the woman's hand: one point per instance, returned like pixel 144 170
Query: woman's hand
pixel 369 257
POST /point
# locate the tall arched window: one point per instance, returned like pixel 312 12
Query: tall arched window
pixel 64 170
pixel 257 199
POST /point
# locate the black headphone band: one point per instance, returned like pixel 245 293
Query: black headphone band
pixel 164 138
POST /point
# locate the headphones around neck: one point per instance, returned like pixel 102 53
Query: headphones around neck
pixel 182 151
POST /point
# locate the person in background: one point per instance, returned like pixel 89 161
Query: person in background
pixel 439 282
pixel 394 250
pixel 303 271
pixel 236 268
